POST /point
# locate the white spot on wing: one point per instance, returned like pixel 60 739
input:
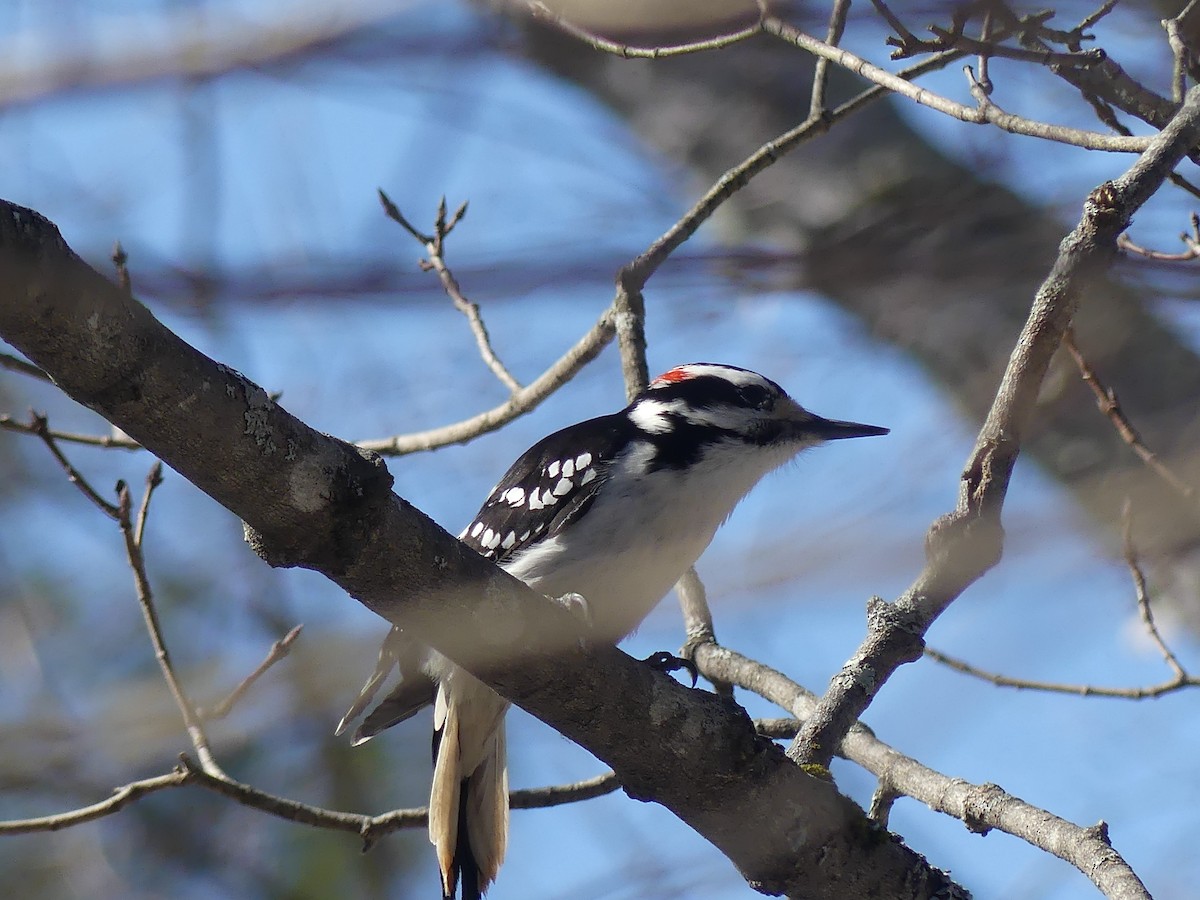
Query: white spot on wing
pixel 552 469
pixel 534 501
pixel 494 541
pixel 476 528
pixel 516 496
pixel 568 468
pixel 589 475
pixel 583 460
pixel 486 540
pixel 564 485
pixel 509 540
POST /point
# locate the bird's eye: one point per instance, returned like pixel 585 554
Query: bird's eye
pixel 756 396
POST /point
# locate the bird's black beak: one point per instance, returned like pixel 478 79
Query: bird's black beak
pixel 833 430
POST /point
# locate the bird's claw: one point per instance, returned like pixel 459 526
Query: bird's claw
pixel 666 663
pixel 576 605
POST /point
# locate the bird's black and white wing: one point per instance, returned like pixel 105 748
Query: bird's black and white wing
pixel 549 486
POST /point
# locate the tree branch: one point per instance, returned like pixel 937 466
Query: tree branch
pixel 963 545
pixel 979 807
pixel 310 500
pixel 980 115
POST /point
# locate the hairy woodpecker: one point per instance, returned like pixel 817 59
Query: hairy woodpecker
pixel 614 509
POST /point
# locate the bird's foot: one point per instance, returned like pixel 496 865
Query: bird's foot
pixel 576 605
pixel 666 662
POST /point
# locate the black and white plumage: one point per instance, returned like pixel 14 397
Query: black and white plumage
pixel 615 509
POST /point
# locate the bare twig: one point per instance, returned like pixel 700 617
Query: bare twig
pixel 990 115
pixel 883 799
pixel 598 42
pixel 1052 687
pixel 133 551
pixel 16 364
pixel 370 828
pixel 780 729
pixel 1106 80
pixel 121 798
pixel 1106 401
pixel 278 651
pixel 435 246
pixel 837 26
pixel 1143 597
pixel 1182 36
pixel 8 423
pixel 563 370
pixel 37 425
pixel 629 309
pixel 1191 243
pixel 697 621
pixel 983 61
pixel 908 44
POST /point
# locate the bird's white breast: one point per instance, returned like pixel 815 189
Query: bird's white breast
pixel 642 533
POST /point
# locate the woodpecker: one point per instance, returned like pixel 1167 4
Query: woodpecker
pixel 615 510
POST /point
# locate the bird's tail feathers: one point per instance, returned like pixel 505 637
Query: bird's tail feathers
pixel 468 811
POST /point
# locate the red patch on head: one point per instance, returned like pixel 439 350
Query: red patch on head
pixel 674 376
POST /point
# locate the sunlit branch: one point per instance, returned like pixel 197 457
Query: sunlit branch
pixel 978 115
pixel 278 651
pixel 981 807
pixel 603 44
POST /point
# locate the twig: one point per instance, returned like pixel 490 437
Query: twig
pixel 837 26
pixel 1179 682
pixel 121 798
pixel 37 425
pixel 1181 30
pixel 1190 241
pixel 1183 184
pixel 983 61
pixel 371 828
pixel 563 370
pixel 1106 401
pixel 990 115
pixel 883 799
pixel 908 44
pixel 16 364
pixel 1107 80
pixel 782 729
pixel 697 621
pixel 8 423
pixel 278 651
pixel 137 562
pixel 603 44
pixel 435 246
pixel 1143 597
pixel 629 308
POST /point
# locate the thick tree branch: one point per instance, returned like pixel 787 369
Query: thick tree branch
pixel 310 500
